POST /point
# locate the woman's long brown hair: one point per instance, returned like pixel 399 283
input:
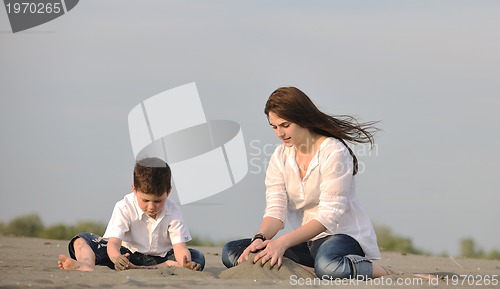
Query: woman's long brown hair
pixel 292 104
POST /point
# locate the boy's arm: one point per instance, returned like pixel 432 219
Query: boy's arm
pixel 183 257
pixel 113 249
pixel 179 234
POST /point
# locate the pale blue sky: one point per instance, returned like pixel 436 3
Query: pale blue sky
pixel 428 70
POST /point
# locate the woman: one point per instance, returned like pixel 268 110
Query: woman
pixel 310 179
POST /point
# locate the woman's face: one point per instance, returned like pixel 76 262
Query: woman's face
pixel 290 133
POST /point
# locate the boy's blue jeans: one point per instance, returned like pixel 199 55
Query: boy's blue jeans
pixel 98 245
pixel 337 256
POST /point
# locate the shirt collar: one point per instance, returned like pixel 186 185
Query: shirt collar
pixel 314 160
pixel 143 216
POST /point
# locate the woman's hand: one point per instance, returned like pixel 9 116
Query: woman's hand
pixel 255 246
pixel 272 250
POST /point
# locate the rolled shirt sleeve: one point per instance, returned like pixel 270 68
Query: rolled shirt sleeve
pixel 327 194
pixel 177 229
pixel 119 223
pixel 336 180
pixel 276 195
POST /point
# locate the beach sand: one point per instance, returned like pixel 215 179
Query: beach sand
pixel 32 263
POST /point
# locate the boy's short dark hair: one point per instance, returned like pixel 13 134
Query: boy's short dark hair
pixel 152 176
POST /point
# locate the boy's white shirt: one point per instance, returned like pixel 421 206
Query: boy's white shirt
pixel 143 234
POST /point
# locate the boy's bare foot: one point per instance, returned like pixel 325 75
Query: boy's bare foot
pixel 67 263
pixel 426 276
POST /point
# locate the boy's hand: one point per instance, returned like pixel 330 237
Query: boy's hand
pixel 122 263
pixel 190 264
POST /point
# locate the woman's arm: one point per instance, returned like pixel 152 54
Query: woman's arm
pixel 276 204
pixel 336 178
pixel 335 187
pixel 268 228
pixel 273 250
pixel 302 234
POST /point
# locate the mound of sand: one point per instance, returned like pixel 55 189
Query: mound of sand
pixel 249 270
pixel 32 263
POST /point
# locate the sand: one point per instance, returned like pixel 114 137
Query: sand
pixel 32 263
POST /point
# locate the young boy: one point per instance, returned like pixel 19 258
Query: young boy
pixel 146 230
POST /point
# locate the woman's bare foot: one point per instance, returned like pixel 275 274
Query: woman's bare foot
pixel 310 269
pixel 379 271
pixel 426 276
pixel 67 263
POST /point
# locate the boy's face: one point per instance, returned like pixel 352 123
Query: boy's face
pixel 150 204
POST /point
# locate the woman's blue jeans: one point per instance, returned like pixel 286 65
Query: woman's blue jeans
pixel 333 257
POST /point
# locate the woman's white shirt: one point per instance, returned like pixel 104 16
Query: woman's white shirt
pixel 327 193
